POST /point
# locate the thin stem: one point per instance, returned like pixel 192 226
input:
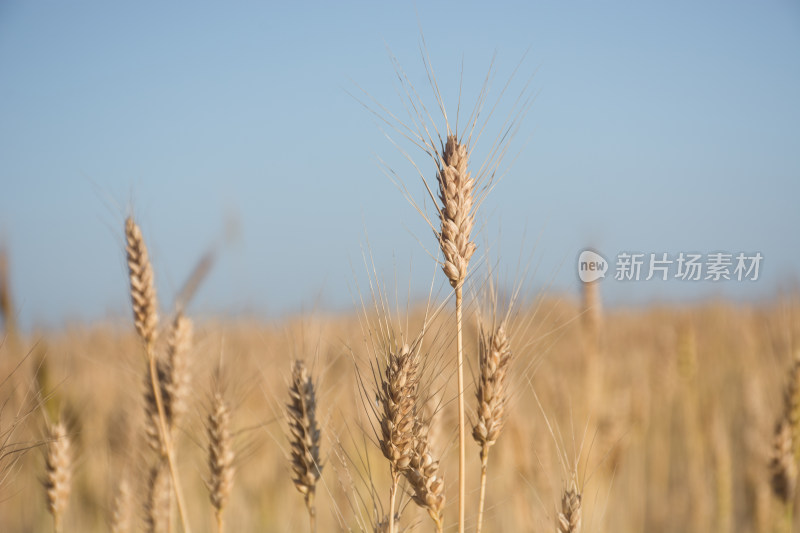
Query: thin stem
pixel 166 440
pixel 220 522
pixel 392 494
pixel 57 523
pixel 312 512
pixel 462 435
pixel 481 498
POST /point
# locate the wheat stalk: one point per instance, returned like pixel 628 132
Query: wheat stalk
pixel 304 437
pixel 58 463
pixel 457 218
pixel 220 456
pixel 495 361
pixel 145 305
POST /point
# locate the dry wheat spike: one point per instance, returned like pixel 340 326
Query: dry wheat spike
pixel 456 215
pixel 121 514
pixel 397 396
pixel 158 500
pixel 304 436
pixel 568 519
pixel 58 464
pixel 423 476
pixel 791 407
pixel 783 467
pixel 143 292
pixel 220 456
pixel 494 363
pixel 173 378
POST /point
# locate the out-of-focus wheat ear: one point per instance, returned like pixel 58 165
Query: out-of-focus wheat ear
pixel 783 468
pixel 172 372
pixel 143 292
pixel 304 437
pixel 494 363
pixel 158 500
pixel 179 344
pixel 121 513
pixel 423 476
pixel 568 519
pixel 152 421
pixel 791 400
pixel 220 456
pixel 7 314
pixel 58 465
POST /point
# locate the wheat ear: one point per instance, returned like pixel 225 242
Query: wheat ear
pixel 791 399
pixel 304 437
pixel 568 519
pixel 457 219
pixel 145 305
pixel 220 456
pixel 157 499
pixel 423 476
pixel 173 379
pixel 495 360
pixel 58 464
pixel 121 514
pixel 398 395
pixel 143 292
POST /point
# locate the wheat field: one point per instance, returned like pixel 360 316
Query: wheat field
pixel 664 416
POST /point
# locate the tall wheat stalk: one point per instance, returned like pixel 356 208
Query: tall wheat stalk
pixel 457 219
pixel 145 317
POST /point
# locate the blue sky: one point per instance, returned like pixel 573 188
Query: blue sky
pixel 670 127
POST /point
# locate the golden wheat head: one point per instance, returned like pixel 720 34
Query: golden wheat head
pixel 304 433
pixel 143 292
pixel 495 361
pixel 58 464
pixel 456 215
